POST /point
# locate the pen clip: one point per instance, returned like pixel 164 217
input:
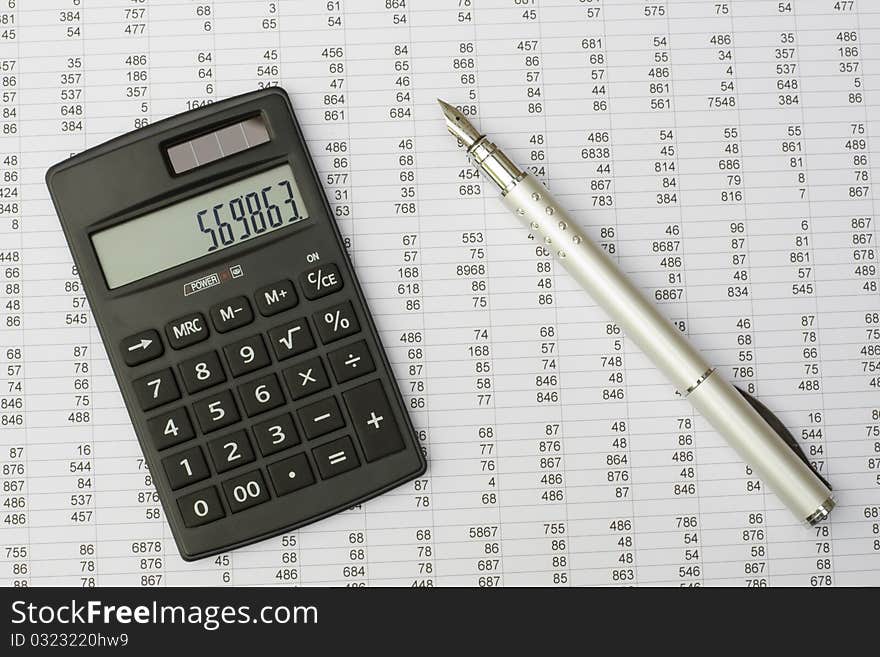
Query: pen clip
pixel 776 424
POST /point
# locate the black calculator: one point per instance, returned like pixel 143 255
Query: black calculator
pixel 248 360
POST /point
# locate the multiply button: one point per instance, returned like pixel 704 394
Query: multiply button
pixel 373 420
pixel 335 457
pixel 320 281
pixel 231 314
pixel 351 362
pixel 336 322
pixel 141 347
pixel 187 330
pixel 306 378
pixel 275 298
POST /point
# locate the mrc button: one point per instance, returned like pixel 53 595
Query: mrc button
pixel 186 330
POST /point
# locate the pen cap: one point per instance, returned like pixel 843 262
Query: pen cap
pixel 759 445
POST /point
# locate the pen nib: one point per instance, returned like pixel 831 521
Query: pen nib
pixel 458 125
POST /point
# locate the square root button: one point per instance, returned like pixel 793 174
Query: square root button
pixel 373 421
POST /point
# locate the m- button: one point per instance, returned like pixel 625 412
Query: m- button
pixel 231 314
pixel 186 330
pixel 275 298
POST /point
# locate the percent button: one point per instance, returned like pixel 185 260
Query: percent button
pixel 336 322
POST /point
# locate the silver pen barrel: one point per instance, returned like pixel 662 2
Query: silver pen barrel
pixel 726 409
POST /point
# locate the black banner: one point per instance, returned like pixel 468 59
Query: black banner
pixel 403 620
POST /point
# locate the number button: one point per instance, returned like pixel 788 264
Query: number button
pixel 246 355
pixel 321 417
pixel 276 434
pixel 156 389
pixel 320 281
pixel 261 395
pixel 202 372
pixel 291 474
pixel 187 330
pixel 351 362
pixel 185 468
pixel 201 507
pixel 216 412
pixel 245 491
pixel 306 378
pixel 275 298
pixel 170 428
pixel 231 314
pixel 291 339
pixel 335 457
pixel 141 347
pixel 336 322
pixel 231 451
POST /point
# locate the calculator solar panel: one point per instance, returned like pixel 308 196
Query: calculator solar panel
pixel 248 360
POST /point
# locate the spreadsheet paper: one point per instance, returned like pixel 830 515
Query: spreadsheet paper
pixel 723 151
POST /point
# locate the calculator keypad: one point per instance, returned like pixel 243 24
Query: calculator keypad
pixel 263 421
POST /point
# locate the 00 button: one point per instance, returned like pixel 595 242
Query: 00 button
pixel 245 491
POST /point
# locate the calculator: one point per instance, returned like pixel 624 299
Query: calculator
pixel 237 330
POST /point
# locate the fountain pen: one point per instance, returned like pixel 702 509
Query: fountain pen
pixel 748 426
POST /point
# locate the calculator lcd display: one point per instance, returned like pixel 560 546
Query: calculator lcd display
pixel 213 221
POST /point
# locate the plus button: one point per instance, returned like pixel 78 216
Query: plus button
pixel 374 419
